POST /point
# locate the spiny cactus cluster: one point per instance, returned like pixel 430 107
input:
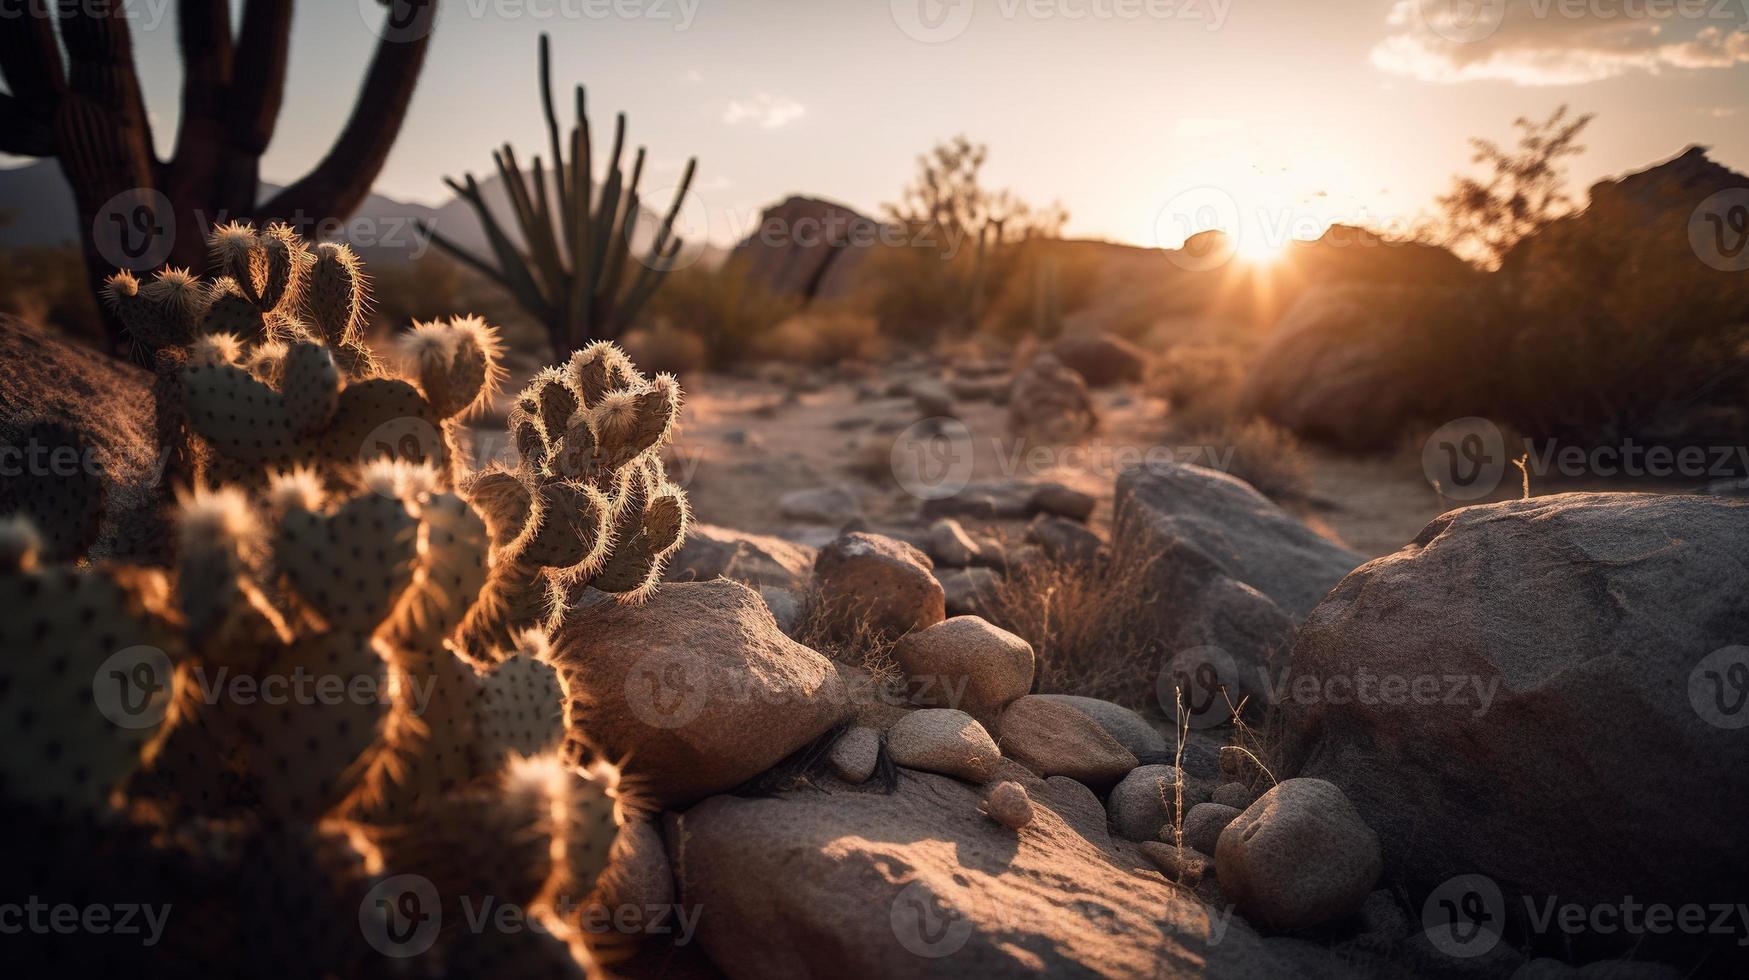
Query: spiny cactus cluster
pixel 266 368
pixel 339 680
pixel 588 504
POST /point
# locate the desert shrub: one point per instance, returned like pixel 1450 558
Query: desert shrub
pixel 1082 621
pixel 822 338
pixel 1200 383
pixel 1264 455
pixel 917 291
pixel 666 349
pixel 729 311
pixel 46 285
pixel 1034 286
pixel 426 288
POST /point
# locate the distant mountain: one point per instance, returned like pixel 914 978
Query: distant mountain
pixel 37 207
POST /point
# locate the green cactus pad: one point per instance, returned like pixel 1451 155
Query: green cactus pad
pixel 351 566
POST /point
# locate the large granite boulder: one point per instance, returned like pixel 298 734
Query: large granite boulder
pixel 1548 692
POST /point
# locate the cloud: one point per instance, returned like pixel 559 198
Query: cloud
pixel 765 111
pixel 1559 42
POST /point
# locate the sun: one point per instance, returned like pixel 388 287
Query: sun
pixel 1255 250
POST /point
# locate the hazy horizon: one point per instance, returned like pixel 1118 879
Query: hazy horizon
pixel 1123 110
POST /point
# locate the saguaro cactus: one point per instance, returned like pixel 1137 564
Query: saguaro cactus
pixel 575 274
pixel 91 116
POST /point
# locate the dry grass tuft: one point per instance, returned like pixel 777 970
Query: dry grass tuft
pixel 1082 621
pixel 859 645
pixel 1264 455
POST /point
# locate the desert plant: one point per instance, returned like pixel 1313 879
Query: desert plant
pixel 1524 190
pixel 729 310
pixel 92 117
pixel 571 275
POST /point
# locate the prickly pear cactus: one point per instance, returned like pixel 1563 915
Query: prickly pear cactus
pixel 266 367
pixel 588 504
pixel 339 684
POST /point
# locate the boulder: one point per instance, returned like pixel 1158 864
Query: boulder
pixel 1230 572
pixel 808 248
pixel 1054 739
pixel 1142 803
pixel 853 883
pixel 1131 730
pixel 945 741
pixel 1203 825
pixel 1301 856
pixel 1563 662
pixel 968 591
pixel 965 663
pixel 696 689
pixel 1061 501
pixel 84 425
pixel 887 584
pixel 854 755
pixel 637 877
pixel 1101 359
pixel 751 559
pixel 951 546
pixel 1050 403
pixel 834 505
pixel 1064 540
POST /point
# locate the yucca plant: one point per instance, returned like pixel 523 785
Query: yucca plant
pixel 573 274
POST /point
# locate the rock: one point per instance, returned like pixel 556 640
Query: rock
pixel 786 607
pixel 1054 739
pixel 951 546
pixel 945 741
pixel 968 591
pixel 1143 802
pixel 1236 795
pixel 965 663
pixel 105 405
pixel 995 500
pixel 696 689
pixel 1548 968
pixel 856 884
pixel 1131 730
pixel 1101 359
pixel 932 397
pixel 637 877
pixel 1382 917
pixel 1008 805
pixel 1061 501
pixel 1182 864
pixel 1204 823
pixel 854 755
pixel 1574 655
pixel 1050 402
pixel 752 559
pixel 887 584
pixel 1064 540
pixel 809 248
pixel 1301 856
pixel 1231 574
pixel 979 389
pixel 835 505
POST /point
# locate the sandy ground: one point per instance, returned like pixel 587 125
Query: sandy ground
pixel 745 443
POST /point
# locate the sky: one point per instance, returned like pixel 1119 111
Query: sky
pixel 1142 117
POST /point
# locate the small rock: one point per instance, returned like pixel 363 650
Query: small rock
pixel 1299 857
pixel 1101 359
pixel 968 591
pixel 1062 501
pixel 835 505
pixel 888 584
pixel 1142 804
pixel 1054 739
pixel 1008 805
pixel 1204 823
pixel 1383 918
pixel 1131 730
pixel 945 741
pixel 753 559
pixel 785 606
pixel 965 663
pixel 854 755
pixel 951 546
pixel 1064 540
pixel 1178 863
pixel 638 875
pixel 1236 795
pixel 932 397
